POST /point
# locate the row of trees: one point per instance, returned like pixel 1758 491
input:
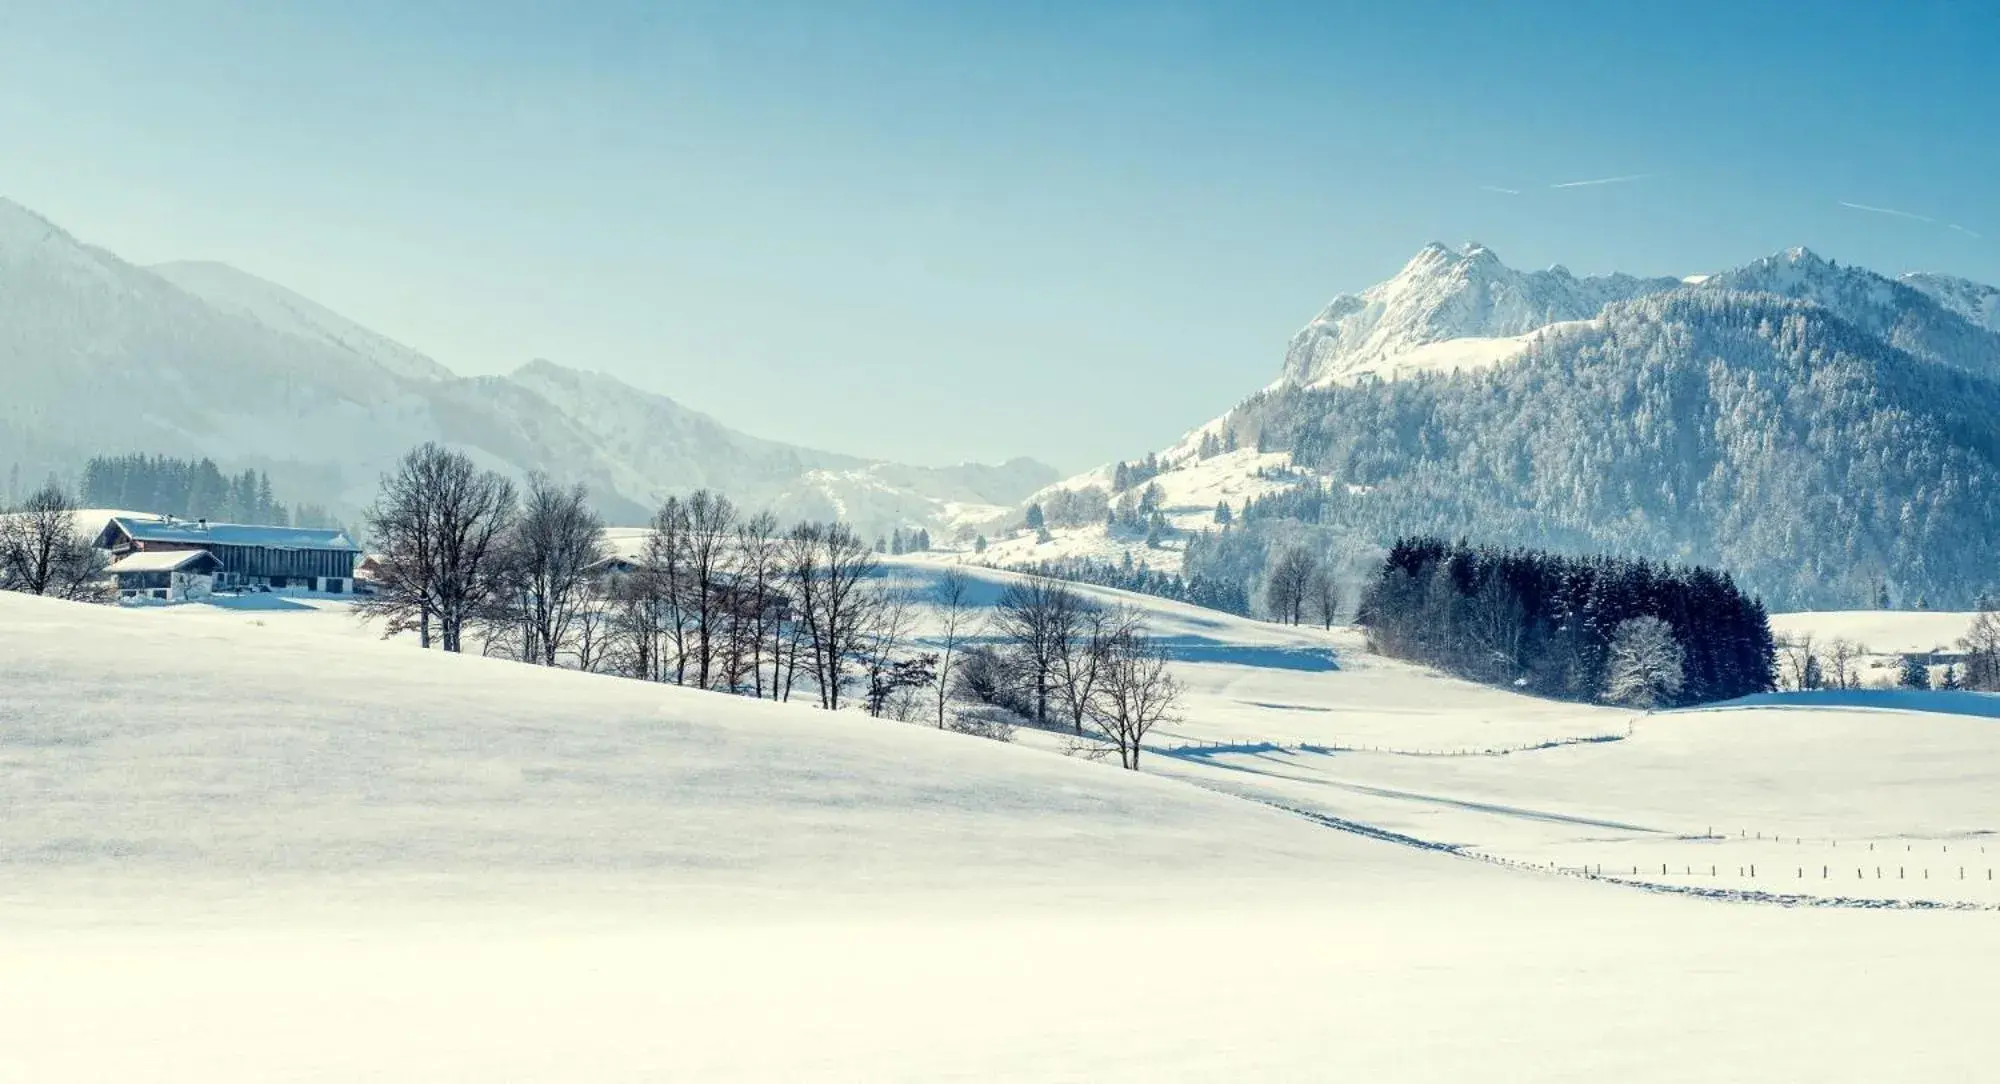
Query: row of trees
pixel 1302 588
pixel 717 599
pixel 1139 577
pixel 899 542
pixel 1583 628
pixel 1807 663
pixel 1062 660
pixel 1281 570
pixel 191 489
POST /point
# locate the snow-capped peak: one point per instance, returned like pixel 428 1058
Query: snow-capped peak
pixel 1440 295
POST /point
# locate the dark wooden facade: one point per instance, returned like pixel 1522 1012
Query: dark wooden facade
pixel 247 555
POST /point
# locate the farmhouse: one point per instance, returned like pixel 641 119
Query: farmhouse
pixel 245 555
pixel 167 575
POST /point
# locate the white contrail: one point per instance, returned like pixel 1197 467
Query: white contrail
pixel 1502 191
pixel 1603 180
pixel 1963 230
pixel 1886 211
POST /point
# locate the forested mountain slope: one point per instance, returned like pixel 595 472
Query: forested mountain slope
pixel 1761 434
pixel 1823 431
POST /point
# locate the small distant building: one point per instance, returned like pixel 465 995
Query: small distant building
pixel 611 567
pixel 368 574
pixel 245 555
pixel 166 575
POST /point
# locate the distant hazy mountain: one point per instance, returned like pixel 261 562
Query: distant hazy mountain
pixel 100 356
pixel 1826 432
pixel 279 309
pixel 656 446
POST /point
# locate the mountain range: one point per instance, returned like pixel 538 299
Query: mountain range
pixel 101 356
pixel 1827 433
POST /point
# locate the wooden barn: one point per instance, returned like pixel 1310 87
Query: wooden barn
pixel 165 575
pixel 246 555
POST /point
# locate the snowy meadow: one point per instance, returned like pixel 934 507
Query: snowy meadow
pixel 253 844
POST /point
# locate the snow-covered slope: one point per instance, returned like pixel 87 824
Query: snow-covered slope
pixel 1447 310
pixel 203 359
pixel 281 310
pixel 1975 301
pixel 1442 295
pixel 1903 314
pixel 1878 632
pixel 365 860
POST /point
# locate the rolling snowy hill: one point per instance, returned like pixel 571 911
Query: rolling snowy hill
pixel 261 833
pixel 200 359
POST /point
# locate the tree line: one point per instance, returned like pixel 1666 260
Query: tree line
pixel 1595 629
pixel 191 489
pixel 1063 661
pixel 1807 663
pixel 1139 577
pixel 716 599
pixel 719 599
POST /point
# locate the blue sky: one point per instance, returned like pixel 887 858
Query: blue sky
pixel 936 232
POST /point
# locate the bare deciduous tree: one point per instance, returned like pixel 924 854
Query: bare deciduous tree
pixel 1841 668
pixel 1135 692
pixel 709 560
pixel 1290 585
pixel 1981 645
pixel 638 623
pixel 1323 597
pixel 43 553
pixel 1080 660
pixel 952 610
pixel 665 572
pixel 553 545
pixel 1800 659
pixel 1040 616
pixel 760 603
pixel 828 565
pixel 596 627
pixel 893 674
pixel 440 523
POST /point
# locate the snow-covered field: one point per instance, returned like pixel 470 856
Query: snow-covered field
pixel 1878 632
pixel 1878 639
pixel 263 844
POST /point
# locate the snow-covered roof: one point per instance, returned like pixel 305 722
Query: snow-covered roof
pixel 234 534
pixel 159 561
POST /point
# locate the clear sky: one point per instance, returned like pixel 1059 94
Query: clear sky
pixel 941 231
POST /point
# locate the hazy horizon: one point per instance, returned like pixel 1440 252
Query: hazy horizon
pixel 977 234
